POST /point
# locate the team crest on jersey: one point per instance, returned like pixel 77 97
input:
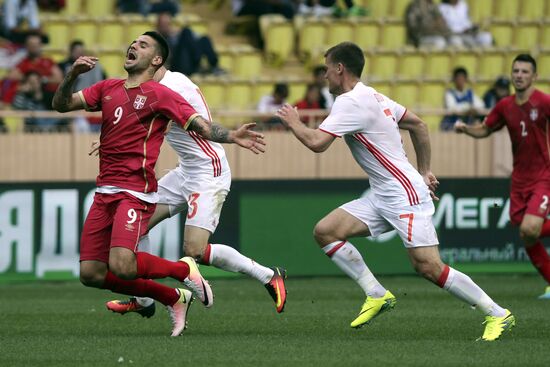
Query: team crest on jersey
pixel 139 102
pixel 534 114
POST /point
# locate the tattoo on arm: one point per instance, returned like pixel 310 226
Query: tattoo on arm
pixel 209 130
pixel 63 95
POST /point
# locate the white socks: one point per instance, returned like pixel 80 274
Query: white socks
pixel 227 258
pixel 349 260
pixel 463 287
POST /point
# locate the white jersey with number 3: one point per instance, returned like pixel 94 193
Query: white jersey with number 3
pixel 197 156
pixel 369 121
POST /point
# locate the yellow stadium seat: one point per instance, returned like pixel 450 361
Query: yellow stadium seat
pixel 113 63
pixel 135 28
pixel 398 8
pixel 543 65
pixel 508 9
pixel 526 36
pixel 214 93
pixel 198 27
pixel 432 94
pixel 438 65
pixel 56 55
pixel 381 87
pixel 480 10
pixel 491 65
pixel 481 87
pixel 545 34
pixel 532 9
pixel 366 34
pixel 111 35
pixel 432 120
pixel 544 86
pixel 411 65
pixel 247 64
pixel 59 33
pixel 502 33
pixel 99 8
pixel 14 123
pixel 225 60
pixel 393 36
pixel 85 31
pixel 296 91
pixel 267 20
pixel 239 96
pixel 311 36
pixel 467 60
pixel 379 9
pixel 339 31
pixel 261 89
pixel 279 42
pixel 383 65
pixel 405 94
pixel 73 7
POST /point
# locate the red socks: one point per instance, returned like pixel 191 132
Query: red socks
pixel 540 259
pixel 153 267
pixel 205 259
pixel 141 288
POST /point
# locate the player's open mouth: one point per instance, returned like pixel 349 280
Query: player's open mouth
pixel 131 56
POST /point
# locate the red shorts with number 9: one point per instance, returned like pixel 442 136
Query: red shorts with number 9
pixel 114 220
pixel 530 200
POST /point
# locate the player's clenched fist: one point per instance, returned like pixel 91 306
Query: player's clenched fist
pixel 83 64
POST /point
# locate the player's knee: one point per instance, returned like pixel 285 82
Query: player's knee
pixel 122 269
pixel 529 233
pixel 323 233
pixel 91 279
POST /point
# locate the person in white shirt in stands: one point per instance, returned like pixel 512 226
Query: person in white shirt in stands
pixel 199 184
pixel 455 13
pixel 400 197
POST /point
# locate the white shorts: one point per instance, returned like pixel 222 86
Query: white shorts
pixel 413 223
pixel 202 196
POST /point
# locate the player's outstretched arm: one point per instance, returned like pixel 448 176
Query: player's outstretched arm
pixel 64 99
pixel 243 136
pixel 477 130
pixel 315 139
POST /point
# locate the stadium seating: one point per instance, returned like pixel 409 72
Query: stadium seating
pixel 366 34
pixel 113 63
pixel 492 64
pixel 438 65
pixel 502 33
pixel 238 95
pixel 505 9
pixel 526 36
pixel 406 93
pixel 383 65
pixel 480 10
pixel 59 32
pixel 340 31
pixel 86 31
pixel 468 60
pixel 214 93
pixel 532 9
pixel 393 36
pixel 411 65
pixel 312 36
pixel 383 87
pixel 247 63
pixel 431 94
pixel 111 34
pixel 279 41
pixel 99 8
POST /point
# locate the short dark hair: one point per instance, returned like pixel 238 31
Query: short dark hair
pixel 75 43
pixel 281 89
pixel 348 54
pixel 162 45
pixel 460 70
pixel 526 58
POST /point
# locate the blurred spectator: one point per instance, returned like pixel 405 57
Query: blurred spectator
pixel 426 26
pixel 76 49
pixel 51 5
pixel 455 13
pixel 319 8
pixel 327 99
pixel 271 103
pixel 187 48
pixel 19 18
pixel 499 90
pixel 311 101
pixel 461 103
pixel 257 8
pixel 30 97
pixel 50 73
pixel 144 7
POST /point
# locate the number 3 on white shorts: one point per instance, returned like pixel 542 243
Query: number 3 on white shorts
pixel 410 217
pixel 193 205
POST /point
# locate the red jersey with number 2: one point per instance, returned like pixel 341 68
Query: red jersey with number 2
pixel 134 120
pixel 528 127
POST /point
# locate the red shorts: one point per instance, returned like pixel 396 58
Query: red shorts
pixel 530 200
pixel 114 220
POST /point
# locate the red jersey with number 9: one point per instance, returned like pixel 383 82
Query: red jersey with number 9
pixel 528 128
pixel 134 120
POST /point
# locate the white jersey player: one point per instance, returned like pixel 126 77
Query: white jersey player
pixel 400 197
pixel 199 183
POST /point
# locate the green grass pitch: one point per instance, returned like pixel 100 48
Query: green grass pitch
pixel 66 324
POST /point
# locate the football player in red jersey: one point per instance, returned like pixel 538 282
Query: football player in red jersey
pixel 135 114
pixel 526 116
